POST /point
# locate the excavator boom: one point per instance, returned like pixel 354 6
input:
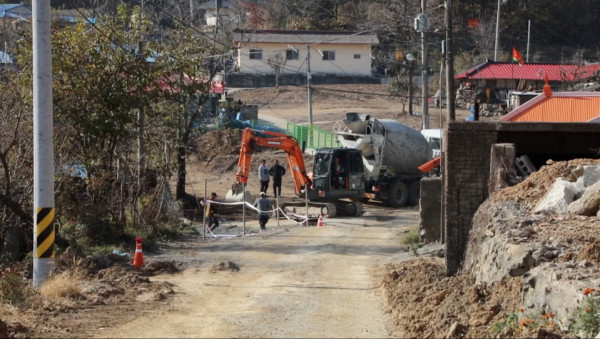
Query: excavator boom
pixel 250 140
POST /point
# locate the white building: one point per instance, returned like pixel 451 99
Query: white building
pixel 223 10
pixel 341 53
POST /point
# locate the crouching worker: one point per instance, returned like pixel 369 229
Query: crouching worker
pixel 264 207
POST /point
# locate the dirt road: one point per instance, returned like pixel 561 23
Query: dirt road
pixel 293 281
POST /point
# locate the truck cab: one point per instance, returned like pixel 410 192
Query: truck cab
pixel 434 138
pixel 337 174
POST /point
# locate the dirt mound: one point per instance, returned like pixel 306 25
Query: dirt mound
pixel 299 95
pixel 98 293
pixel 424 303
pixel 219 142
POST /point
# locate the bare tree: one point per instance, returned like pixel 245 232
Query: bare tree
pixel 16 185
pixel 277 63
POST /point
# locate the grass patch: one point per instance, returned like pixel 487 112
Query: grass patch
pixel 413 240
pixel 62 285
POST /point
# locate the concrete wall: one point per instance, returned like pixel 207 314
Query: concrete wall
pixel 246 80
pixel 467 148
pixel 430 209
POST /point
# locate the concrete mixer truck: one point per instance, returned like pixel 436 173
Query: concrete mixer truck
pixel 391 155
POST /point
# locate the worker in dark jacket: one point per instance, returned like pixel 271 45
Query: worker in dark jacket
pixel 277 171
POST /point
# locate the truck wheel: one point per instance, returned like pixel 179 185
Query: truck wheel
pixel 398 195
pixel 329 210
pixel 414 193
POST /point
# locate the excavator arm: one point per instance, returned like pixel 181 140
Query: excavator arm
pixel 274 140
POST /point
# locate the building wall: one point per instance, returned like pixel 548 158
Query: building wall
pixel 430 211
pixel 344 63
pixel 467 148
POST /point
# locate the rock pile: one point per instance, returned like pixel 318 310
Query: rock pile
pixel 544 230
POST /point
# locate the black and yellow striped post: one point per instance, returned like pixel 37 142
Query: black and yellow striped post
pixel 44 234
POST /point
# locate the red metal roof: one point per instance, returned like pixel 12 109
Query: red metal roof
pixel 529 71
pixel 558 107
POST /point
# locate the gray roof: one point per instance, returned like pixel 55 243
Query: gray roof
pixel 14 11
pixel 305 37
pixel 221 3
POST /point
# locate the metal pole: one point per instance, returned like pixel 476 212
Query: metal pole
pixel 528 35
pixel 449 62
pixel 497 32
pixel 306 202
pixel 425 88
pixel 410 88
pixel 441 92
pixel 244 209
pixel 277 203
pixel 43 152
pixel 204 213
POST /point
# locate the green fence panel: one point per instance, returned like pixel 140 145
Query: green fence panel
pixel 315 137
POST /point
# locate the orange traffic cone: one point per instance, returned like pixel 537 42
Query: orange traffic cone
pixel 138 258
pixel 320 221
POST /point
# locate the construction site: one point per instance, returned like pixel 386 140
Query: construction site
pixel 505 225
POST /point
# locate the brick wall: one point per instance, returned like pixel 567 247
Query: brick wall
pixel 466 164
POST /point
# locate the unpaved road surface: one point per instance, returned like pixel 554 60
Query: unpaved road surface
pixel 293 281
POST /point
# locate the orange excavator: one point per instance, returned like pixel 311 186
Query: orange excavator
pixel 331 181
pixel 275 140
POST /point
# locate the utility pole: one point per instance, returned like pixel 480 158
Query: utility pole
pixel 140 115
pixel 192 16
pixel 308 76
pixel 528 35
pixel 215 37
pixel 497 32
pixel 449 62
pixel 425 88
pixel 410 65
pixel 43 152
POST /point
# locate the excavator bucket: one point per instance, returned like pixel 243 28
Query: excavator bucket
pixel 236 194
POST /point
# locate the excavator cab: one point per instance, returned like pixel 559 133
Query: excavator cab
pixel 337 174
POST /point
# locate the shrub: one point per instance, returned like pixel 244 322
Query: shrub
pixel 586 318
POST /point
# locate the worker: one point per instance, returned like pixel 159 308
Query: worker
pixel 264 207
pixel 263 176
pixel 339 173
pixel 277 171
pixel 211 212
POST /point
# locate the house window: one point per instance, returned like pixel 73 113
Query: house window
pixel 328 55
pixel 255 54
pixel 291 54
pixel 356 56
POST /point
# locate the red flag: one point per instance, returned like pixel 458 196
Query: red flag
pixel 473 22
pixel 517 57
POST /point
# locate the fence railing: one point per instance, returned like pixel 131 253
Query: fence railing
pixel 315 137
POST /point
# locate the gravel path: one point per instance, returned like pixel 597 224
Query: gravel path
pixel 290 281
